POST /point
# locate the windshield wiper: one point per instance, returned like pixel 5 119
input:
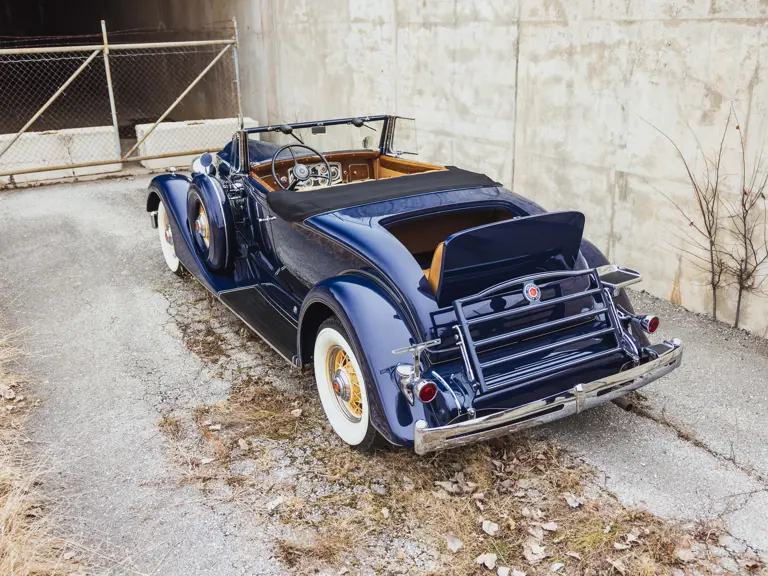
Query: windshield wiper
pixel 359 123
pixel 285 129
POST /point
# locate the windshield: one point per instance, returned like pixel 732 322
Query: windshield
pixel 323 139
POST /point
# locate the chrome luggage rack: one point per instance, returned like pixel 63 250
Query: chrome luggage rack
pixel 474 351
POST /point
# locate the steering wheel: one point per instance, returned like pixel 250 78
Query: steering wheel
pixel 300 171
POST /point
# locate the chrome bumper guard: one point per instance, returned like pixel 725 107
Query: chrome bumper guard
pixel 573 401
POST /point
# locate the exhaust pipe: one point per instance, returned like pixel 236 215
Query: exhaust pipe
pixel 624 403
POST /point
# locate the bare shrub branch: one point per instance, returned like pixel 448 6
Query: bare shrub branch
pixel 706 223
pixel 749 228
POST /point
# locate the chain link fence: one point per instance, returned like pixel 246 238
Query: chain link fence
pixel 75 110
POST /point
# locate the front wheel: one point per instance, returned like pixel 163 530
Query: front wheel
pixel 341 386
pixel 166 240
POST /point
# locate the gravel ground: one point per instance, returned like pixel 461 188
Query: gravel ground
pixel 699 447
pixel 116 344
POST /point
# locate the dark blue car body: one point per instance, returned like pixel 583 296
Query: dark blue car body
pixel 285 278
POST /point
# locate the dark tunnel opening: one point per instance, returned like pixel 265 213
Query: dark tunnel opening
pixel 145 81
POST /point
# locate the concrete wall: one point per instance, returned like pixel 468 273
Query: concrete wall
pixel 549 96
pixel 171 137
pixel 58 148
pixel 592 75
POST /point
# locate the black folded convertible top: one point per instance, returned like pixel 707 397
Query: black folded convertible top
pixel 298 206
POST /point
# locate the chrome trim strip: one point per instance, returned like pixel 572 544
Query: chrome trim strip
pixel 249 287
pixel 546 347
pixel 504 380
pixel 581 397
pixel 529 307
pixel 537 327
pixel 523 279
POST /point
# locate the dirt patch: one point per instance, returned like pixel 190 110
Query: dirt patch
pixel 517 503
pixel 27 542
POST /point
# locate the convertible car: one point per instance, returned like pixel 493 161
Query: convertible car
pixel 436 307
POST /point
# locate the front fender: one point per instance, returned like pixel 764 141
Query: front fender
pixel 375 323
pixel 172 189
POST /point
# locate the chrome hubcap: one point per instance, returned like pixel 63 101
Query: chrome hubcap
pixel 167 234
pixel 201 227
pixel 344 382
pixel 341 385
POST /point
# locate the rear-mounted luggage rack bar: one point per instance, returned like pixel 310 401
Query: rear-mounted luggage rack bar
pixel 472 350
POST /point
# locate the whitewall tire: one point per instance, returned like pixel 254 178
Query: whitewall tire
pixel 166 240
pixel 341 386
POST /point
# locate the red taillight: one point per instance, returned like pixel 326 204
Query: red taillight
pixel 426 391
pixel 646 323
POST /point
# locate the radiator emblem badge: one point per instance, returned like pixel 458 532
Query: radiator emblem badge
pixel 531 292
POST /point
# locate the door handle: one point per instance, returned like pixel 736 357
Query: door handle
pixel 267 219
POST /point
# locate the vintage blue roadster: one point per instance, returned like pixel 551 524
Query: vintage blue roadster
pixel 436 307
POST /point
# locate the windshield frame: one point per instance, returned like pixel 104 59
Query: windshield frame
pixel 383 139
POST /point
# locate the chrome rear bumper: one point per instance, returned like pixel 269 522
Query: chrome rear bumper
pixel 573 401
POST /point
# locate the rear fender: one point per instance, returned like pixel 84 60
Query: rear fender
pixel 375 323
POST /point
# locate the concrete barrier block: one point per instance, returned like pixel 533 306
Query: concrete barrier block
pixel 184 136
pixel 56 148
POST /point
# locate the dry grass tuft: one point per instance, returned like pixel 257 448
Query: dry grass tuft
pixel 26 543
pixel 332 543
pixel 170 426
pixel 517 483
pixel 255 408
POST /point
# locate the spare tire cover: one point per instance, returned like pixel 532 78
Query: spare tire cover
pixel 211 233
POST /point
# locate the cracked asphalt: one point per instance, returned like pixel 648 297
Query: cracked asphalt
pixel 83 283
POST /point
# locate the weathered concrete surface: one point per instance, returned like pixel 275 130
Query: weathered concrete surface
pixel 699 447
pixel 594 80
pixel 58 148
pixel 81 281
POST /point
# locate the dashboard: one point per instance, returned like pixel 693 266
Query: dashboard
pixel 318 176
pixel 346 166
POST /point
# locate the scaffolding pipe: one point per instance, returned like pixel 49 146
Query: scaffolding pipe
pixel 235 47
pixel 110 90
pixel 113 47
pixel 105 162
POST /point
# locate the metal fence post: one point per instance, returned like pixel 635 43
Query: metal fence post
pixel 111 91
pixel 237 75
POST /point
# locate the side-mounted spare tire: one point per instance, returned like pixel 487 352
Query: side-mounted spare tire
pixel 210 222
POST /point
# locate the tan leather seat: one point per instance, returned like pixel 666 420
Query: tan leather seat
pixel 433 272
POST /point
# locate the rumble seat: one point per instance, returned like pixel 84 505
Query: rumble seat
pixel 433 272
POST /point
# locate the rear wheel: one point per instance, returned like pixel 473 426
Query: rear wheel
pixel 166 240
pixel 341 386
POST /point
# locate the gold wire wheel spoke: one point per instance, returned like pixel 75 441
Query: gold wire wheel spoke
pixel 338 359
